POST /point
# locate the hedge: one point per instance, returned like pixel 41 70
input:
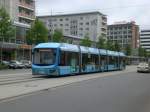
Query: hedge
pixel 3 66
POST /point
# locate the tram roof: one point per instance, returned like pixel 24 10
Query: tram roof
pixel 75 48
pixel 69 47
pixel 62 46
pixel 113 53
pixel 121 54
pixel 89 50
pixel 103 51
pixel 48 45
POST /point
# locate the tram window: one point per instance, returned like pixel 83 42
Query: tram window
pixel 85 59
pixel 69 59
pixel 103 60
pixel 90 59
pixel 94 59
pixel 111 60
pixel 44 57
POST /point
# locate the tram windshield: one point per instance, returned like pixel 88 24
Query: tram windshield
pixel 44 57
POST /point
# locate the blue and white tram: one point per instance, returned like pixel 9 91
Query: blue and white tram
pixel 60 59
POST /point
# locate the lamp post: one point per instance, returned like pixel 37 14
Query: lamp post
pixel 1 45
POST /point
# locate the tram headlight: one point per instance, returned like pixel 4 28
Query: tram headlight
pixel 53 72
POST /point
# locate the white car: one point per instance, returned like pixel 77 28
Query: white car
pixel 143 67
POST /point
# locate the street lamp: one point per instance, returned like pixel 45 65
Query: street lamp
pixel 1 45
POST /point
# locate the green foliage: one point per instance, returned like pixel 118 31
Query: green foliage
pixel 86 41
pixel 58 36
pixel 7 30
pixel 117 47
pixel 37 34
pixel 3 66
pixel 101 44
pixel 110 45
pixel 13 55
pixel 128 50
pixel 142 52
pixel 148 54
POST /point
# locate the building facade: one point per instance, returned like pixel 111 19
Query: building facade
pixel 22 14
pixel 124 33
pixel 145 39
pixel 92 24
pixel 22 11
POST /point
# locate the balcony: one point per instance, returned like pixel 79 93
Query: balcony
pixel 26 16
pixel 27 6
pixel 103 29
pixel 104 19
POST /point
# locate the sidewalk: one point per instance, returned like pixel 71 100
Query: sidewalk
pixel 14 90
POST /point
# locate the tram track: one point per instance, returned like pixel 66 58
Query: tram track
pixel 20 79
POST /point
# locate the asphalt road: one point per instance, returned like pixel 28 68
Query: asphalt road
pixel 119 93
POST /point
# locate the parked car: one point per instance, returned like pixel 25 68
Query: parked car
pixel 5 63
pixel 15 64
pixel 26 63
pixel 143 67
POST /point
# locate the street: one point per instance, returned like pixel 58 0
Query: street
pixel 125 92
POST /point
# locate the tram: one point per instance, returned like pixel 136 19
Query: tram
pixel 62 59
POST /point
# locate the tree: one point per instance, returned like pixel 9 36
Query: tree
pixel 58 36
pixel 38 33
pixel 110 45
pixel 117 47
pixel 142 52
pixel 101 42
pixel 86 41
pixel 145 53
pixel 7 30
pixel 128 50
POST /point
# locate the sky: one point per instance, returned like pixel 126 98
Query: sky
pixel 116 10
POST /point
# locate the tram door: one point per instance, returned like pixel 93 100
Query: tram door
pixel 103 62
pixel 69 62
pixel 74 62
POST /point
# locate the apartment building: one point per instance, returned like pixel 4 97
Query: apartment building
pixel 92 24
pixel 145 39
pixel 125 33
pixel 22 11
pixel 22 14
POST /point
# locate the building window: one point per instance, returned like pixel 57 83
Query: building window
pixel 81 18
pixel 81 29
pixel 55 25
pixel 61 19
pixel 94 22
pixel 66 29
pixel 80 34
pixel 66 24
pixel 67 19
pixel 50 20
pixel 81 23
pixel 61 24
pixel 55 19
pixel 87 29
pixel 87 23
